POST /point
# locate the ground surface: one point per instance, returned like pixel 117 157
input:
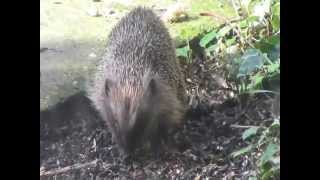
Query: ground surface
pixel 72 133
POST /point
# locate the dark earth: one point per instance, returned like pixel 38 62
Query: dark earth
pixel 75 143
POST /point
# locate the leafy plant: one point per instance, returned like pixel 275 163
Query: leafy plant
pixel 208 38
pixel 267 142
pixel 257 36
pixel 251 60
pixel 249 132
pixel 184 52
pixel 249 50
pixel 242 151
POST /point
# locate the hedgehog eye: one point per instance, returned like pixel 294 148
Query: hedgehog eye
pixel 108 83
pixel 127 106
pixel 152 86
pixel 106 89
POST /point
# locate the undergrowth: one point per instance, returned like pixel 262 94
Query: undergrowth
pixel 248 49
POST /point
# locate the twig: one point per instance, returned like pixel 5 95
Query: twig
pixel 221 18
pixel 191 99
pixel 215 15
pixel 238 7
pixel 242 127
pixel 68 168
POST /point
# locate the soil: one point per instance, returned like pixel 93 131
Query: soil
pixel 72 134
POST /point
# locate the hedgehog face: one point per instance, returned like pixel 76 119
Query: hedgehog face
pixel 128 112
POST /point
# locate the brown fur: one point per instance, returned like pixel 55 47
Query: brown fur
pixel 139 88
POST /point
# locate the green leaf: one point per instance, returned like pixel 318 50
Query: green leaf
pixel 266 175
pixel 276 9
pixel 269 152
pixel 268 44
pixel 252 19
pixel 207 38
pixel 253 178
pixel 276 123
pixel 212 47
pixel 276 160
pixel 183 52
pixel 223 31
pixel 274 40
pixel 231 41
pixel 242 151
pixel 270 171
pixel 243 24
pixel 273 67
pixel 274 54
pixel 257 78
pixel 275 19
pixel 275 22
pixel 256 81
pixel 274 128
pixel 249 132
pixel 251 60
pixel 262 138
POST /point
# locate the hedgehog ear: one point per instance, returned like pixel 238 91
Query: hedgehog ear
pixel 107 85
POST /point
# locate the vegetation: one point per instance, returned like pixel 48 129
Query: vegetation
pixel 248 49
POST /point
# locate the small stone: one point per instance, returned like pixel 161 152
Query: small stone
pixel 92 55
pixel 43 49
pixel 93 11
pixel 232 50
pixel 75 83
pixel 175 13
pixel 197 177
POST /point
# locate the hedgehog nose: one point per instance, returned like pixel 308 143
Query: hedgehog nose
pixel 127 144
pixel 123 142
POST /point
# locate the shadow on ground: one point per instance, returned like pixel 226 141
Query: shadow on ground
pixel 65 69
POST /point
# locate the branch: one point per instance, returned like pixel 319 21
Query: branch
pixel 242 127
pixel 68 168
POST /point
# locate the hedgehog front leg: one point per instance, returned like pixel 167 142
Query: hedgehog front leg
pixel 155 142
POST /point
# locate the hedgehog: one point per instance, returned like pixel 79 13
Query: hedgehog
pixel 138 88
